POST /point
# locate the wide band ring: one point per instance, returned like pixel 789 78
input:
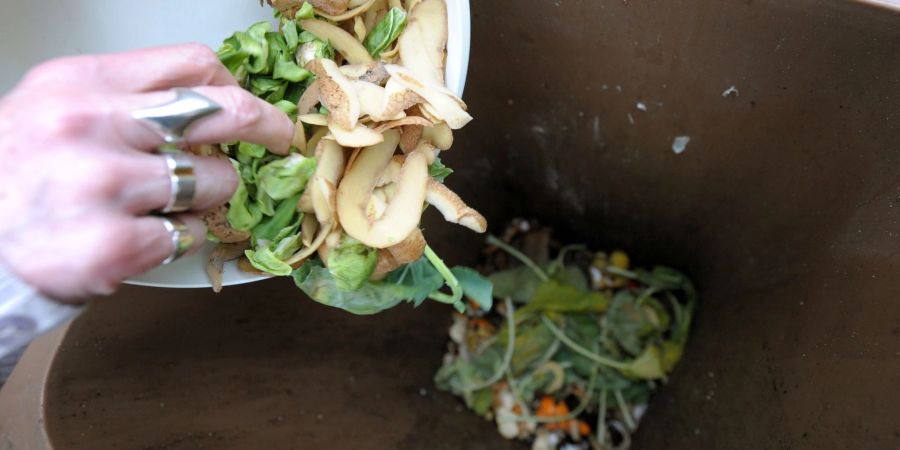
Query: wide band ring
pixel 182 239
pixel 171 120
pixel 182 182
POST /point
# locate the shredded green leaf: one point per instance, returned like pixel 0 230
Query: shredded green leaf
pixel 351 263
pixel 438 170
pixel 569 338
pixel 385 32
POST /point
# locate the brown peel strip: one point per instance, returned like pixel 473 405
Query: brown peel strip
pixel 453 208
pixel 309 99
pixel 349 14
pixel 215 265
pixel 216 221
pixel 409 120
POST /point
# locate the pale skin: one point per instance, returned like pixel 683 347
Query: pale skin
pixel 79 176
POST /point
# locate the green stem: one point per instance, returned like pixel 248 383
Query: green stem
pixel 622 272
pixel 560 258
pixel 601 420
pixel 602 360
pixel 455 298
pixel 645 295
pixel 510 349
pixel 514 390
pixel 491 240
pixel 626 414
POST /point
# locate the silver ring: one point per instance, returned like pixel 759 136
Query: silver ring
pixel 182 182
pixel 182 239
pixel 171 120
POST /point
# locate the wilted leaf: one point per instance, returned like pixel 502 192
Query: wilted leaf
pixel 418 279
pixel 647 366
pixel 518 283
pixel 626 321
pixel 476 287
pixel 553 296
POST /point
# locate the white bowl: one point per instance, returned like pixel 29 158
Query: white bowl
pixel 32 32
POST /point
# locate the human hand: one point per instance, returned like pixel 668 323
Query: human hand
pixel 78 175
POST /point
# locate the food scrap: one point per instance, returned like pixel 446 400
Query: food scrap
pixel 581 341
pixel 364 82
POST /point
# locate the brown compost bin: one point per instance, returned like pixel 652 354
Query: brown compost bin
pixel 784 207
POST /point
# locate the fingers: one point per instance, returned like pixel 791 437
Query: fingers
pixel 244 117
pixel 151 69
pixel 149 188
pixel 110 247
pixel 154 244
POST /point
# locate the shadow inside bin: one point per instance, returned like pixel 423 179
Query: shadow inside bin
pixel 259 366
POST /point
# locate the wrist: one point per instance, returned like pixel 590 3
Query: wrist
pixel 25 313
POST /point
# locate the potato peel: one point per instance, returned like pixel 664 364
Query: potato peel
pixel 217 223
pixel 402 214
pixel 453 208
pixel 446 106
pixel 359 136
pixel 372 72
pixel 422 43
pixel 409 120
pixel 407 251
pixel 348 14
pixel 223 252
pixel 440 135
pixel 409 137
pixel 342 41
pixel 309 99
pixel 313 119
pixel 337 93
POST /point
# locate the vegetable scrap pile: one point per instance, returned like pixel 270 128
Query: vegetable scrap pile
pixel 581 342
pixel 364 81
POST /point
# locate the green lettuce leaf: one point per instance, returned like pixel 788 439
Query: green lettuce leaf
pixel 385 32
pixel 249 167
pixel 277 49
pixel 253 44
pixel 291 34
pixel 265 259
pixel 285 177
pixel 314 279
pixel 268 230
pixel 289 108
pixel 305 12
pixel 260 85
pixel 312 48
pixel 289 70
pixel 252 150
pixel 286 244
pixel 265 203
pixel 351 263
pixel 242 215
pixel 246 51
pixel 277 95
